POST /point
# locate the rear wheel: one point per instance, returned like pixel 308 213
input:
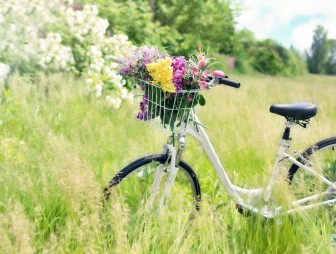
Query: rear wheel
pixel 322 158
pixel 133 184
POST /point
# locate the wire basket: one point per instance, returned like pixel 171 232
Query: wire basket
pixel 167 111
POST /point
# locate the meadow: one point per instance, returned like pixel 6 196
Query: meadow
pixel 59 147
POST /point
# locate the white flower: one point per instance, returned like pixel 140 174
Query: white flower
pixel 99 89
pixel 4 71
pixel 124 93
pixel 58 37
pixel 94 52
pixel 129 98
pixel 12 28
pixel 53 53
pixel 95 9
pixel 118 81
pixel 5 9
pixel 103 24
pixel 113 102
pixel 48 59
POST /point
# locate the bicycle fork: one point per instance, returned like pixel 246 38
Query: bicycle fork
pixel 175 157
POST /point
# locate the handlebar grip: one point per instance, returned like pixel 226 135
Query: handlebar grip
pixel 228 82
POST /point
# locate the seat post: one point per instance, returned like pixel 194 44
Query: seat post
pixel 286 134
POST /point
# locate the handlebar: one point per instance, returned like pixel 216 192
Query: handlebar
pixel 228 82
pixel 224 81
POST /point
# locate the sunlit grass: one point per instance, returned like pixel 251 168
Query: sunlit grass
pixel 59 147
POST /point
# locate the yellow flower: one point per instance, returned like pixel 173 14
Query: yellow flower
pixel 162 73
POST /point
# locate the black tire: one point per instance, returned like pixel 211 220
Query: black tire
pixel 323 156
pixel 129 178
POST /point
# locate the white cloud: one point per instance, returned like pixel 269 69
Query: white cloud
pixel 302 34
pixel 264 17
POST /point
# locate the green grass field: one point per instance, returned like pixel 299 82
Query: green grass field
pixel 59 148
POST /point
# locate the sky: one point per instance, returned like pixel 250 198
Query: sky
pixel 290 22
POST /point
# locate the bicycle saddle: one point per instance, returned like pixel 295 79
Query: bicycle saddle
pixel 296 111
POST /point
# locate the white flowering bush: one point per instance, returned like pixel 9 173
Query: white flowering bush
pixel 21 24
pixel 52 55
pixel 86 25
pixel 92 53
pixel 102 71
pixel 30 41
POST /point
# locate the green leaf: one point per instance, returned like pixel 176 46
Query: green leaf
pixel 201 99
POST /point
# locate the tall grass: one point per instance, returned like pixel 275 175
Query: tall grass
pixel 59 147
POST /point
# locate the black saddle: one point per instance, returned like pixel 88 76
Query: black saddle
pixel 296 111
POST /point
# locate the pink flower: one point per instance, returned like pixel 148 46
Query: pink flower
pixel 202 63
pixel 203 84
pixel 194 72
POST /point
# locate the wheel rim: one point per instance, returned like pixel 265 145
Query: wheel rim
pixel 324 162
pixel 134 191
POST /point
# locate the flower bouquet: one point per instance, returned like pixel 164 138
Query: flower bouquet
pixel 170 84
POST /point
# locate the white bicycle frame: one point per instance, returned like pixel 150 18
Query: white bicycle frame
pixel 195 129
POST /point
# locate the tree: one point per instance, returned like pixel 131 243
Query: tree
pixel 266 58
pixel 271 58
pixel 317 57
pixel 244 41
pixel 184 24
pixel 331 63
pixel 296 64
pixel 178 25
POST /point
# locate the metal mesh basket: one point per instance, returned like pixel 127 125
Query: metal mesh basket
pixel 167 111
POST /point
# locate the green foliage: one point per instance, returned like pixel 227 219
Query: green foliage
pixel 271 58
pixel 244 41
pixel 210 23
pixel 132 17
pixel 267 57
pixel 180 26
pixel 296 64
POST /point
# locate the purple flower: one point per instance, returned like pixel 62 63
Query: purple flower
pixel 143 114
pixel 179 70
pixel 148 54
pixel 126 69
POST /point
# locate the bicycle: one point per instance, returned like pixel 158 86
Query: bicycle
pixel 311 186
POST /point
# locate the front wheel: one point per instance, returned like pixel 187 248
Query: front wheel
pixel 133 185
